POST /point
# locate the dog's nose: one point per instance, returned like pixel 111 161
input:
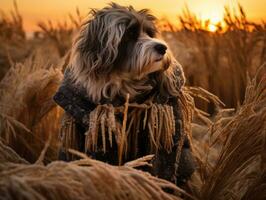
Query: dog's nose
pixel 160 48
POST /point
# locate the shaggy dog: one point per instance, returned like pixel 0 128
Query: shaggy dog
pixel 118 52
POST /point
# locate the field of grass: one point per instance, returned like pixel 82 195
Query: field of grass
pixel 226 76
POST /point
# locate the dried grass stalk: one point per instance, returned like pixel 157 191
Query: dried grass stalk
pixel 68 134
pixel 83 179
pixel 28 112
pixel 9 155
pixel 241 162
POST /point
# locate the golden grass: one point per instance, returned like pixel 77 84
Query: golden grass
pixel 229 144
pixel 11 27
pixel 83 179
pixel 27 106
pixel 219 61
pixel 241 161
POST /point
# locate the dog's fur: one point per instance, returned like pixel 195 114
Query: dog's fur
pixel 114 54
pixel 117 52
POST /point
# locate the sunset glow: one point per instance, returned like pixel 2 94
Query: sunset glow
pixel 212 28
pixel 213 19
pixel 36 11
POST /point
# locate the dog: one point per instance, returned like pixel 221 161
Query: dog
pixel 119 52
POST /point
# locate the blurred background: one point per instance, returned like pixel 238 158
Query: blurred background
pixel 220 44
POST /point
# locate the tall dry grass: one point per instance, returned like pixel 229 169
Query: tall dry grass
pixel 229 144
pixel 83 179
pixel 12 38
pixel 52 39
pixel 61 34
pixel 240 148
pixel 28 113
pixel 11 27
pixel 219 61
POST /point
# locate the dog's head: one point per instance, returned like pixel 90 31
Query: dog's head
pixel 119 45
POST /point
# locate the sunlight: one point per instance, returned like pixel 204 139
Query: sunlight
pixel 212 28
pixel 213 19
pixel 34 12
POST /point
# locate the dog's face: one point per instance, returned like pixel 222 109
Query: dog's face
pixel 118 43
pixel 139 51
pixel 120 39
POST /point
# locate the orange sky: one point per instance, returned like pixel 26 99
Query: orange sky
pixel 34 11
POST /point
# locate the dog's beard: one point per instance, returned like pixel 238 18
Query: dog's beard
pixel 136 80
pixel 143 59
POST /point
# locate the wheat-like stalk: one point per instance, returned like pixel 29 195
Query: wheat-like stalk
pixel 83 179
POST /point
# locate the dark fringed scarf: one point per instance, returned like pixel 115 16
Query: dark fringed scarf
pixel 120 131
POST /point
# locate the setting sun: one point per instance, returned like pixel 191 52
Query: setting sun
pixel 213 22
pixel 212 28
pixel 211 13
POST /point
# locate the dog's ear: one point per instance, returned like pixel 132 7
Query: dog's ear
pixel 96 47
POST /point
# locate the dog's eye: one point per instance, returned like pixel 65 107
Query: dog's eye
pixel 133 32
pixel 150 32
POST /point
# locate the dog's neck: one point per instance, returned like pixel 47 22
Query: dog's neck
pixel 116 85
